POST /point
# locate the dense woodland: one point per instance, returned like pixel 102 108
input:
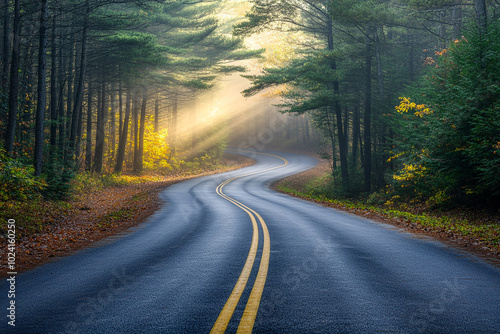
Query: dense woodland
pixel 101 86
pixel 437 61
pixel 85 82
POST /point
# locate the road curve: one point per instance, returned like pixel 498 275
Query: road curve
pixel 322 271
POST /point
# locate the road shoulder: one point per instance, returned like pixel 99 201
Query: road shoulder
pixel 298 184
pixel 99 215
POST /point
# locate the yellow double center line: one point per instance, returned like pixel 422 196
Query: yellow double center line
pixel 249 314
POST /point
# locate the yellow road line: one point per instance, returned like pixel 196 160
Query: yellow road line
pixel 248 319
pixel 228 309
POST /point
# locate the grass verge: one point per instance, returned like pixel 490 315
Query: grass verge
pixel 480 232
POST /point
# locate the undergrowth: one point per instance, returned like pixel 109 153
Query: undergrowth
pixel 485 230
pixel 33 213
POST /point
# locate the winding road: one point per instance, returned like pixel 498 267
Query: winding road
pixel 226 253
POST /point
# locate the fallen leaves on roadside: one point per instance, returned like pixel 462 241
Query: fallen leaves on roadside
pixel 67 227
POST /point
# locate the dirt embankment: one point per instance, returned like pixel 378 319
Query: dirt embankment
pixel 97 215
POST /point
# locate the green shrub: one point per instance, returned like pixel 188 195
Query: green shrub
pixel 449 131
pixel 58 176
pixel 17 180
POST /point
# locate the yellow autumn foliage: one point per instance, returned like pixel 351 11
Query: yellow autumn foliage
pixel 409 172
pixel 407 105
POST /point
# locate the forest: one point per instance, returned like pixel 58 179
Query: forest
pixel 404 94
pixel 97 86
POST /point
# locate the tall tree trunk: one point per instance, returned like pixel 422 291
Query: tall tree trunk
pixel 26 91
pixel 457 21
pixel 367 116
pixel 27 114
pixel 382 158
pixel 288 130
pixel 344 171
pixel 113 123
pixel 123 135
pixel 141 130
pixel 195 128
pixel 53 88
pixel 346 127
pixel 41 90
pixel 88 140
pixel 135 121
pixel 6 44
pixel 62 86
pixel 100 135
pixel 361 148
pixel 98 121
pixel 78 139
pixel 305 129
pixel 14 81
pixel 482 23
pixel 481 16
pixel 157 112
pixel 356 129
pixel 411 60
pixel 442 29
pixel 81 80
pixel 379 67
pixel 120 110
pixel 130 151
pixel 70 96
pixel 173 141
pixel 331 134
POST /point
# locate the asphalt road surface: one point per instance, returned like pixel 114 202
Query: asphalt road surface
pixel 227 253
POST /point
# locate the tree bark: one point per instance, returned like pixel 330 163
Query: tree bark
pixel 382 158
pixel 81 80
pixel 41 90
pixel 344 171
pixel 331 135
pixel 53 88
pixel 173 141
pixel 346 127
pixel 157 112
pixel 78 138
pixel 367 117
pixel 120 110
pixel 62 86
pixel 135 121
pixel 6 44
pixel 142 129
pixel 481 16
pixel 100 136
pixel 355 134
pixel 88 140
pixel 113 122
pixel 379 67
pixel 442 29
pixel 14 82
pixel 123 135
pixel 27 114
pixel 457 21
pixel 70 97
pixel 411 59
